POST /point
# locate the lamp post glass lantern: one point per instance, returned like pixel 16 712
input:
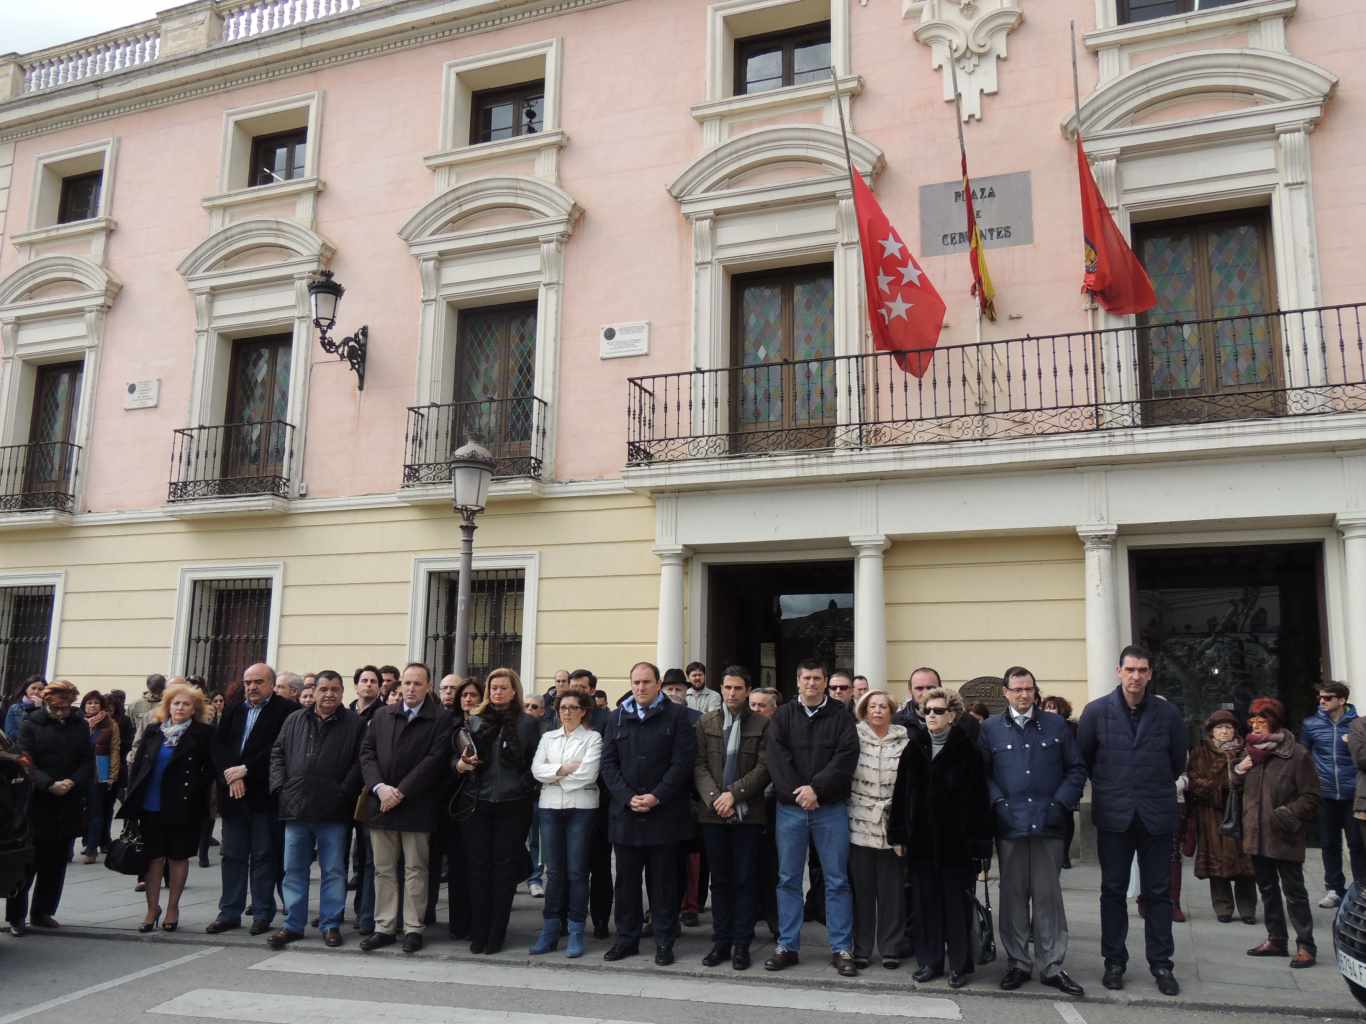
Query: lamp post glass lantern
pixel 471 473
pixel 324 294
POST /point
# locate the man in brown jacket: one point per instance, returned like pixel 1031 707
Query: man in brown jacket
pixel 731 773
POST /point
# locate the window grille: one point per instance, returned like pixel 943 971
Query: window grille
pixel 229 629
pixel 25 632
pixel 496 609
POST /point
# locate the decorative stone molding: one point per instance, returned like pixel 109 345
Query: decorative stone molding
pixel 549 210
pixel 973 34
pixel 204 262
pixel 1098 536
pixel 98 286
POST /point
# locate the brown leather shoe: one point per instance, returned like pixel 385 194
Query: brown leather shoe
pixel 1303 958
pixel 1268 948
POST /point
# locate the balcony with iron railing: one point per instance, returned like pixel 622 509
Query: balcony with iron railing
pixel 1301 363
pixel 231 460
pixel 39 476
pixel 512 429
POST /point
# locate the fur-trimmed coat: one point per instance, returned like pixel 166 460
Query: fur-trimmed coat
pixel 870 799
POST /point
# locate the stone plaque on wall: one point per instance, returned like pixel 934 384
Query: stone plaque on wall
pixel 1005 213
pixel 987 690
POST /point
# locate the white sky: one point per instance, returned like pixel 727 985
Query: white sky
pixel 27 25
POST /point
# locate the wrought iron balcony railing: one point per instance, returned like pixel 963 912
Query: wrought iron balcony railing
pixel 513 429
pixel 38 477
pixel 231 460
pixel 1296 363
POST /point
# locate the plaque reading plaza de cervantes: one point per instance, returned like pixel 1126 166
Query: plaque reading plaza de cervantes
pixel 1004 206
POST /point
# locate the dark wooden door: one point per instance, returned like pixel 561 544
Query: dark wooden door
pixel 52 428
pixel 254 438
pixel 495 379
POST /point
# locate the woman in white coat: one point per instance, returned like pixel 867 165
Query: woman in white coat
pixel 566 766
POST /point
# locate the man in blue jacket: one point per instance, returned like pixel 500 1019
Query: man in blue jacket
pixel 1134 746
pixel 1324 735
pixel 1036 775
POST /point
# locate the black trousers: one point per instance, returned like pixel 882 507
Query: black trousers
pixel 1277 877
pixel 768 873
pixel 878 878
pixel 732 853
pixel 941 915
pixel 814 908
pixel 1116 851
pixel 495 848
pixel 600 867
pixel 46 877
pixel 1335 817
pixel 457 891
pixel 632 861
pixel 439 840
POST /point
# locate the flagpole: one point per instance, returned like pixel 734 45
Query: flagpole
pixel 963 153
pixel 858 231
pixel 1091 305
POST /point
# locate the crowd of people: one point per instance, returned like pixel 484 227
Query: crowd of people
pixel 837 805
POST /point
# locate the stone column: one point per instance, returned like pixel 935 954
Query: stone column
pixel 669 645
pixel 870 609
pixel 1102 610
pixel 1352 525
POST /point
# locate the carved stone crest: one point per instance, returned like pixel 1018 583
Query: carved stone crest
pixel 973 34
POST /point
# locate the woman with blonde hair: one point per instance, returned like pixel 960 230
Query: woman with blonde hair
pixel 493 753
pixel 168 794
pixel 876 872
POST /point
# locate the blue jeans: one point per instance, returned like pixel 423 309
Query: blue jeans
pixel 566 844
pixel 248 854
pixel 828 829
pixel 301 839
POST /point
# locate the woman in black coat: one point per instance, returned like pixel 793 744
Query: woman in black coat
pixel 941 817
pixel 168 794
pixel 493 752
pixel 58 743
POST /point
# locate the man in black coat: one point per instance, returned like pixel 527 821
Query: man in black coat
pixel 647 760
pixel 813 750
pixel 315 778
pixel 404 763
pixel 1134 746
pixel 251 830
pixel 58 743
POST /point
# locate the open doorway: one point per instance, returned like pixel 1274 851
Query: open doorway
pixel 771 616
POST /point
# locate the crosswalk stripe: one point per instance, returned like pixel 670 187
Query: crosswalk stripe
pixel 269 1008
pixel 629 985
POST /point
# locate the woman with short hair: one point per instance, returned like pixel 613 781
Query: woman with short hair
pixel 168 794
pixel 876 871
pixel 1219 857
pixel 106 742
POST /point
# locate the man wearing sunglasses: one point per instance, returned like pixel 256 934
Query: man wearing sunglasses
pixel 1324 735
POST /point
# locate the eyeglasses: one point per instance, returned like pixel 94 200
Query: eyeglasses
pixel 570 707
pixel 1325 698
pixel 1019 689
pixel 936 711
pixel 839 689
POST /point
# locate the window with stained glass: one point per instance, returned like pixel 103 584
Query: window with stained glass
pixel 495 378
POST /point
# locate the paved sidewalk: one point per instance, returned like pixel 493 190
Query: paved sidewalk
pixel 1214 971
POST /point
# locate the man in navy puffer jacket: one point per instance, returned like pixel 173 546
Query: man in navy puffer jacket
pixel 1324 735
pixel 1134 746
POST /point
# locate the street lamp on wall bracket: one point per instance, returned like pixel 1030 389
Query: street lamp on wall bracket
pixel 325 295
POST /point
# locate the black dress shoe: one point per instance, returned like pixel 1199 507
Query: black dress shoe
pixel 260 927
pixel 862 962
pixel 1063 982
pixel 1014 978
pixel 18 929
pixel 1113 978
pixel 690 919
pixel 927 974
pixel 332 937
pixel 620 951
pixel 412 942
pixel 1224 918
pixel 718 954
pixel 740 959
pixel 222 924
pixel 782 959
pixel 477 946
pixel 601 931
pixel 376 940
pixel 891 962
pixel 43 921
pixel 1167 983
pixel 957 979
pixel 664 956
pixel 282 938
pixel 843 961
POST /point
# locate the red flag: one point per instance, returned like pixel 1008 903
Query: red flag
pixel 1113 274
pixel 977 257
pixel 903 307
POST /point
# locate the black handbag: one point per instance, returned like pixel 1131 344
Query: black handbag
pixel 127 854
pixel 1232 823
pixel 983 930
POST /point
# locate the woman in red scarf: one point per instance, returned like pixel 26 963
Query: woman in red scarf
pixel 1280 796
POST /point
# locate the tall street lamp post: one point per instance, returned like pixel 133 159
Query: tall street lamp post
pixel 471 471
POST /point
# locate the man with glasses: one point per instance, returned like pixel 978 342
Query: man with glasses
pixel 1324 735
pixel 1035 774
pixel 842 688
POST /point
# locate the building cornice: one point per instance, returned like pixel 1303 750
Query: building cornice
pixel 367 32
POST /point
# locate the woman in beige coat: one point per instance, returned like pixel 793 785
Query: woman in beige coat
pixel 876 873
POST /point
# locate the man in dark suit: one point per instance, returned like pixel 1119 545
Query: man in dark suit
pixel 251 831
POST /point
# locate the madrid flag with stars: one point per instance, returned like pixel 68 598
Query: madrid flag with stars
pixel 905 310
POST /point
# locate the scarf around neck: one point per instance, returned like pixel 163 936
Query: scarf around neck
pixel 1262 747
pixel 172 733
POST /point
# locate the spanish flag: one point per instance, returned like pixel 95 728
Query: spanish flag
pixel 981 277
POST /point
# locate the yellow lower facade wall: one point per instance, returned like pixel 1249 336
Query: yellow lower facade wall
pixel 975 607
pixel 348 577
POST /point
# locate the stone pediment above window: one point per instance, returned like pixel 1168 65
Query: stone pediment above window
pixel 784 164
pixel 489 213
pixel 57 284
pixel 252 248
